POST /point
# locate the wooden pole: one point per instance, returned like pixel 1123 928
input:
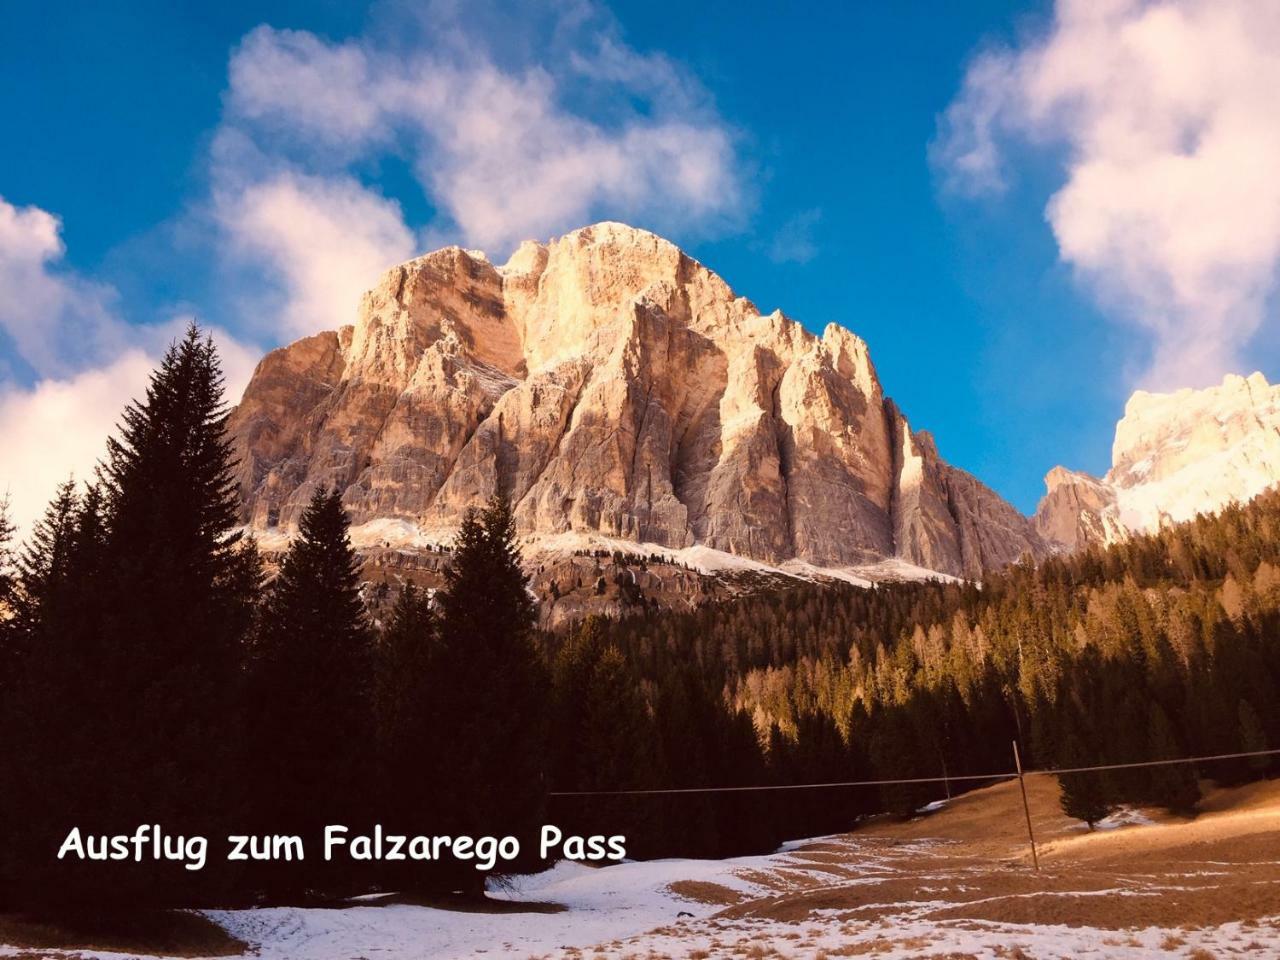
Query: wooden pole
pixel 1026 807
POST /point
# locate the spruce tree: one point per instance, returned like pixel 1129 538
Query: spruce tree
pixel 412 784
pixel 1253 738
pixel 895 752
pixel 135 677
pixel 1084 795
pixel 8 597
pixel 6 562
pixel 44 567
pixel 173 557
pixel 310 703
pixel 603 735
pixel 1171 786
pixel 10 760
pixel 493 684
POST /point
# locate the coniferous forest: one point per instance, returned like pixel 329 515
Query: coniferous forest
pixel 151 671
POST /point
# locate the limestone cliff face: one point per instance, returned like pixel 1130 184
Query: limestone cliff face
pixel 613 387
pixel 1077 510
pixel 1175 455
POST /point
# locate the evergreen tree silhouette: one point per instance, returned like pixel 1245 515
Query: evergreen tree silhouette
pixel 9 666
pixel 1252 737
pixel 44 567
pixel 135 675
pixel 1174 786
pixel 6 561
pixel 310 704
pixel 493 686
pixel 413 785
pixel 603 736
pixel 1084 795
pixel 8 604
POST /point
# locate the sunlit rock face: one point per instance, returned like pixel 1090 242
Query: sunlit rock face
pixel 1175 455
pixel 613 387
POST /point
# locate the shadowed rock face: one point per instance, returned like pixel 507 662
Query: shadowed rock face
pixel 612 386
pixel 1175 455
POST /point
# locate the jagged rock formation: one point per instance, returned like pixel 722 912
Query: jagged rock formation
pixel 614 387
pixel 1077 510
pixel 1175 455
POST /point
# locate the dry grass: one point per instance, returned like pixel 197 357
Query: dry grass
pixel 704 891
pixel 1222 866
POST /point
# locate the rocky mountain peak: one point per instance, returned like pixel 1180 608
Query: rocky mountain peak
pixel 617 390
pixel 1175 455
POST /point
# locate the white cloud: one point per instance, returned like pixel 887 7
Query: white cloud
pixel 321 79
pixel 534 139
pixel 504 151
pixel 326 240
pixel 1168 118
pixel 54 319
pixel 88 362
pixel 59 428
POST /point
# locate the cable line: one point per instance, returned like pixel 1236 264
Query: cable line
pixel 1009 775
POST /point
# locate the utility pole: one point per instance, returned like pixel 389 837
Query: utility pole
pixel 1026 808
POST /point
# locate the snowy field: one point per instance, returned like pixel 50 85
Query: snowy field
pixel 955 882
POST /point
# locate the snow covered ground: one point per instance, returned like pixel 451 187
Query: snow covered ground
pixel 629 911
pixel 954 882
pixel 602 905
pixel 399 534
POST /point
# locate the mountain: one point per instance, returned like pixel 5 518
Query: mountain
pixel 622 395
pixel 1175 455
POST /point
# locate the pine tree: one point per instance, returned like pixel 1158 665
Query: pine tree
pixel 310 705
pixel 608 741
pixel 411 782
pixel 8 598
pixel 136 674
pixel 493 683
pixel 1172 786
pixel 11 759
pixel 44 568
pixel 1084 795
pixel 6 562
pixel 1252 737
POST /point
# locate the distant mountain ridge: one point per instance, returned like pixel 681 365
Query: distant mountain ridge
pixel 1175 455
pixel 617 390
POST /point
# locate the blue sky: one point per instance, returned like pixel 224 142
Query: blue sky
pixel 921 173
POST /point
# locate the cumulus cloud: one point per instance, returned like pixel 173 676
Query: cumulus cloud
pixel 504 148
pixel 86 360
pixel 1167 119
pixel 53 318
pixel 326 240
pixel 58 429
pixel 506 136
